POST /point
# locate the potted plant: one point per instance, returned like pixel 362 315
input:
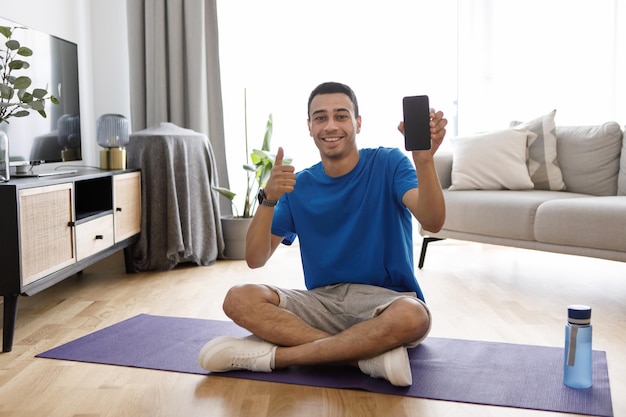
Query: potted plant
pixel 258 167
pixel 15 99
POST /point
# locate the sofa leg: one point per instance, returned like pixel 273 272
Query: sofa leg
pixel 425 243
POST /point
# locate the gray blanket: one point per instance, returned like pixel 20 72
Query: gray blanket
pixel 180 215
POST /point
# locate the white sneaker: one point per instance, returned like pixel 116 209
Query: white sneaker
pixel 227 353
pixel 394 366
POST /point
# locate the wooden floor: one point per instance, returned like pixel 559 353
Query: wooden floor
pixel 474 291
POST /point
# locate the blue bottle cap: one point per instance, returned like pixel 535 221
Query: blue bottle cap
pixel 579 314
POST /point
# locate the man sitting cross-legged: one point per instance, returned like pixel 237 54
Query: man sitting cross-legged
pixel 352 215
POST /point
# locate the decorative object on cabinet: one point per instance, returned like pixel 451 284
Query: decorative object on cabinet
pixel 112 135
pixel 68 128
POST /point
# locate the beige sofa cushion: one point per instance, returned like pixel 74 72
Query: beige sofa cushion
pixel 592 222
pixel 589 157
pixel 503 213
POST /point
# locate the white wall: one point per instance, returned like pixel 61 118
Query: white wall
pixel 98 27
pixel 109 57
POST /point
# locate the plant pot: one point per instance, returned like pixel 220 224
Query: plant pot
pixel 234 230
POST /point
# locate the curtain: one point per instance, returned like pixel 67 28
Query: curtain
pixel 175 71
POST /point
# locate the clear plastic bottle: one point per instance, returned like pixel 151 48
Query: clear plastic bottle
pixel 577 363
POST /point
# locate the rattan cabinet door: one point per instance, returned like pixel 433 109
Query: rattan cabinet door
pixel 127 205
pixel 46 233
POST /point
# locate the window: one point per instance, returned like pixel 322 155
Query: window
pixel 499 61
pixel 279 50
pixel 521 59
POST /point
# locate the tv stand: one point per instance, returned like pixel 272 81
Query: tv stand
pixel 54 227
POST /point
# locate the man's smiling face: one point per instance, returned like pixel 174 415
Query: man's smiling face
pixel 333 125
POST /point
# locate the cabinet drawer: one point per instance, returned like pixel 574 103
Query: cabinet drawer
pixel 94 236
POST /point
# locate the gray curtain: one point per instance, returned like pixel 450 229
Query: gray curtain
pixel 175 71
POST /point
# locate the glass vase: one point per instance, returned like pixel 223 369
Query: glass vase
pixel 5 169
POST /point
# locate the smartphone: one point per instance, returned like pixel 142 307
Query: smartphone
pixel 416 111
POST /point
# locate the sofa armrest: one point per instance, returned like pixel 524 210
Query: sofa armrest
pixel 443 165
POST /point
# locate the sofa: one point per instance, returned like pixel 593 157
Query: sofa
pixel 535 185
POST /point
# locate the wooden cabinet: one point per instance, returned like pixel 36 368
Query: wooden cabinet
pixel 54 227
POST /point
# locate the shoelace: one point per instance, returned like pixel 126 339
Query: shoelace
pixel 374 367
pixel 246 360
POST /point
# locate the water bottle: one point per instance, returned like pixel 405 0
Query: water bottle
pixel 577 363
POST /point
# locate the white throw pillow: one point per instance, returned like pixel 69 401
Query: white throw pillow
pixel 491 161
pixel 543 165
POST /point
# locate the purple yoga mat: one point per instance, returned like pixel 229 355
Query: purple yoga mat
pixel 489 373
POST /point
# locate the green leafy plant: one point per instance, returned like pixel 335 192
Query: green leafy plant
pixel 15 98
pixel 258 170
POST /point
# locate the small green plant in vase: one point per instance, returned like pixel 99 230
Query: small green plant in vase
pixel 15 99
pixel 258 169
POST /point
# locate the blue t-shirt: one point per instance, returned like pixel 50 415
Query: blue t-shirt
pixel 354 228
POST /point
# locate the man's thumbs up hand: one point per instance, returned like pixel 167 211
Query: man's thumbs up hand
pixel 282 179
pixel 279 157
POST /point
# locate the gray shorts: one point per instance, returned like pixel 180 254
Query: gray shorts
pixel 335 308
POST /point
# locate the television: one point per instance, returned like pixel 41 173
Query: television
pixel 35 140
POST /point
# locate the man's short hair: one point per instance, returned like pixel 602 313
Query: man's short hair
pixel 332 88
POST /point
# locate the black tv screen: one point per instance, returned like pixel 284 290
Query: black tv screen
pixel 53 66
